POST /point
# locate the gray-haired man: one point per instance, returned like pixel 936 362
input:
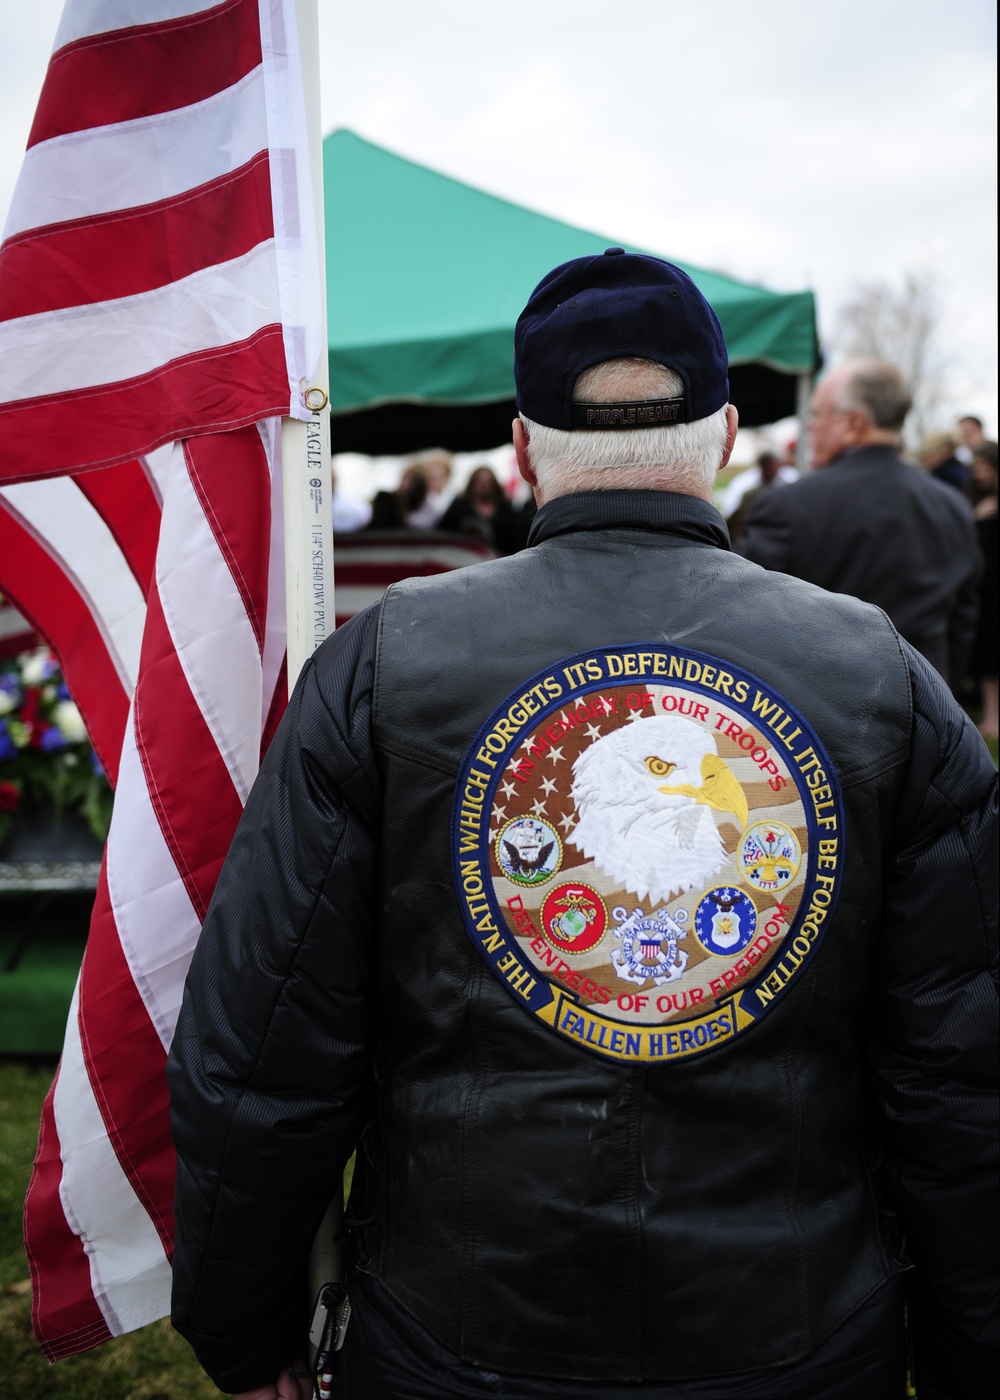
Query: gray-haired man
pixel 867 523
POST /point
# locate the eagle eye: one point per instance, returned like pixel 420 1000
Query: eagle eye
pixel 659 767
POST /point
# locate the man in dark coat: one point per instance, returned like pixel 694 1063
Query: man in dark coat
pixel 866 523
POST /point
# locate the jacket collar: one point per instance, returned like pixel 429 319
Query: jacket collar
pixel 664 511
pixel 880 452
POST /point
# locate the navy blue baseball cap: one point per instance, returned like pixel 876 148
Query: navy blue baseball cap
pixel 613 306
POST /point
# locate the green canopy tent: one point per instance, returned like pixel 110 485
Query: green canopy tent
pixel 425 279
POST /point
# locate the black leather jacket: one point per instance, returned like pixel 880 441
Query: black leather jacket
pixel 552 1180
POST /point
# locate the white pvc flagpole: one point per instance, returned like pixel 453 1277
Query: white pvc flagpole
pixel 307 495
pixel 305 447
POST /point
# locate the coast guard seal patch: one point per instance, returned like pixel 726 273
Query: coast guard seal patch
pixel 647 849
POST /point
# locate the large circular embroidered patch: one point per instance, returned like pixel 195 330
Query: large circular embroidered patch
pixel 647 849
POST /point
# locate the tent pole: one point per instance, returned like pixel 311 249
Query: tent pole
pixel 803 391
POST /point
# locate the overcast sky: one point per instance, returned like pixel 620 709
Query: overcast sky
pixel 787 143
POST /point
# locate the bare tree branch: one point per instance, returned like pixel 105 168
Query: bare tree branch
pixel 902 326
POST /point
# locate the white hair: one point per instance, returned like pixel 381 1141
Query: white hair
pixel 677 457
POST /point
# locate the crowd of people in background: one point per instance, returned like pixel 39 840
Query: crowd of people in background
pixel 425 499
pixel 963 460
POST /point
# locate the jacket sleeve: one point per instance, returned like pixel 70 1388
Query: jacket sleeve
pixel 766 535
pixel 273 1045
pixel 933 1043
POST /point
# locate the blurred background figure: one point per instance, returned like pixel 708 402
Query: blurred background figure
pixel 741 493
pixel 348 514
pixel 388 512
pixel 412 495
pixel 768 471
pixel 483 512
pixel 426 488
pixel 866 522
pixel 938 458
pixel 983 663
pixel 969 431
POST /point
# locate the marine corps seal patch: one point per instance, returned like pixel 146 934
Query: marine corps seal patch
pixel 647 849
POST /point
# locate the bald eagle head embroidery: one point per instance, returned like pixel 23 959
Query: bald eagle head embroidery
pixel 645 796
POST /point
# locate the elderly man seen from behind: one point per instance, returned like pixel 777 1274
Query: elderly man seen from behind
pixel 865 522
pixel 631 910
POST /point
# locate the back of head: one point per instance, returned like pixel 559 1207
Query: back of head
pixel 412 488
pixel 388 512
pixel 937 447
pixel 620 366
pixel 878 390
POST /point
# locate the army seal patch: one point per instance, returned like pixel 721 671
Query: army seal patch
pixel 647 849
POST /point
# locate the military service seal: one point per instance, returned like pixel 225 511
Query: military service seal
pixel 647 849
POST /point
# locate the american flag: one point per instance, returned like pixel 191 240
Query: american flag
pixel 158 310
pixel 369 561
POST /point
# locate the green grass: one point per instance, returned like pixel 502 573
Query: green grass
pixel 35 995
pixel 151 1364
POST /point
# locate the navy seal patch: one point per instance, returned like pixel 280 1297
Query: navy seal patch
pixel 528 850
pixel 647 849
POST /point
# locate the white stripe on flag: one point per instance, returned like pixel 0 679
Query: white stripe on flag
pixel 216 647
pixel 157 464
pixel 72 532
pixel 130 164
pixel 157 923
pixel 129 1271
pixel 82 347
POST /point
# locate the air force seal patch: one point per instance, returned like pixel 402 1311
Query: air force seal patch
pixel 647 849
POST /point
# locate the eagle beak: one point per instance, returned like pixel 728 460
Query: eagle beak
pixel 719 789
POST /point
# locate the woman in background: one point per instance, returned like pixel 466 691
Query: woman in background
pixel 983 662
pixel 484 512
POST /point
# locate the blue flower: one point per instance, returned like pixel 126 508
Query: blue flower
pixel 96 764
pixel 62 691
pixel 7 749
pixel 52 739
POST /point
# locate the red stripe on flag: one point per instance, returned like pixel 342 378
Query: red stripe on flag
pixel 124 499
pixel 278 705
pixel 125 1061
pixel 240 519
pixel 190 789
pixel 44 593
pixel 136 250
pixel 210 391
pixel 142 70
pixel 64 1314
